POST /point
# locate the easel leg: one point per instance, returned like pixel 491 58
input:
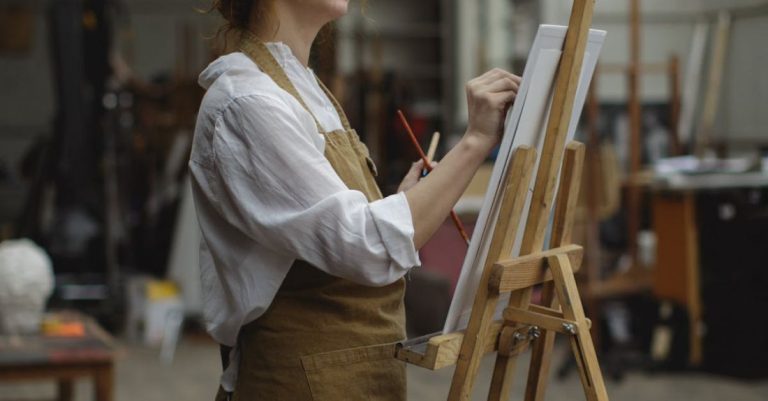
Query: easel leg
pixel 565 207
pixel 472 349
pixel 501 381
pixel 581 341
pixel 541 353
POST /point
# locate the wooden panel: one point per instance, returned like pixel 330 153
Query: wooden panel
pixel 670 277
pixel 676 276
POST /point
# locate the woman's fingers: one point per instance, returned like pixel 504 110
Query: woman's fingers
pixel 416 168
pixel 496 74
pixel 412 177
pixel 503 98
pixel 502 85
pixel 488 98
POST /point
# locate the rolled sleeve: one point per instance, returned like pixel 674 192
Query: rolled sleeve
pixel 274 185
pixel 393 219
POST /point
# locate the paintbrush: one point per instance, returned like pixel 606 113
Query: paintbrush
pixel 432 150
pixel 428 167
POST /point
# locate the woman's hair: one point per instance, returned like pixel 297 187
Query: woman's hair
pixel 239 14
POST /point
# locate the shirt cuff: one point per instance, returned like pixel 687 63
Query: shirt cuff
pixel 392 216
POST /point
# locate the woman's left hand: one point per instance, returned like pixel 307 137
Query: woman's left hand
pixel 413 176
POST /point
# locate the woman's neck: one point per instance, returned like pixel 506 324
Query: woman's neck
pixel 294 28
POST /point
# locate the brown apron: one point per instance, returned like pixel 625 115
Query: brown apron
pixel 324 338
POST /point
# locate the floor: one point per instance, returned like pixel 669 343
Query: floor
pixel 193 377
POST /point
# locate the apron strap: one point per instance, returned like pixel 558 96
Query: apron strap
pixel 336 105
pixel 258 52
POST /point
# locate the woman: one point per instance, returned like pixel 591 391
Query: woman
pixel 302 259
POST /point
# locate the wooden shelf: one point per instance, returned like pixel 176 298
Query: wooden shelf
pixel 635 280
pixel 424 71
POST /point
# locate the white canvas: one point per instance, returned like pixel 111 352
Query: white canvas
pixel 525 125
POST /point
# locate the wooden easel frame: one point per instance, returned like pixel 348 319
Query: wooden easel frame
pixel 525 323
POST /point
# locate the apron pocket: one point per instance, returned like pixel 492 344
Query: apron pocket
pixel 364 373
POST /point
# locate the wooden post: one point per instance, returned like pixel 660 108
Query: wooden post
pixel 714 82
pixel 635 127
pixel 674 105
pixel 595 198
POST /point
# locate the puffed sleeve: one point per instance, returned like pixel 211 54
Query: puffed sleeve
pixel 273 183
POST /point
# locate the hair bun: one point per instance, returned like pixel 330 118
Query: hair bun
pixel 237 13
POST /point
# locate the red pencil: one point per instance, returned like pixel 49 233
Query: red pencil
pixel 428 166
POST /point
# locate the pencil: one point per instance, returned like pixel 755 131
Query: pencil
pixel 428 166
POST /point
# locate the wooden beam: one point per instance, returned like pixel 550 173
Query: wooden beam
pixel 581 341
pixel 526 271
pixel 714 83
pixel 634 281
pixel 644 68
pixel 535 319
pixel 674 105
pixel 635 128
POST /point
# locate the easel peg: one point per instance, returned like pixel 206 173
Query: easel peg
pixel 569 328
pixel 534 332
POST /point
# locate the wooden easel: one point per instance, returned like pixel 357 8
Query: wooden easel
pixel 524 323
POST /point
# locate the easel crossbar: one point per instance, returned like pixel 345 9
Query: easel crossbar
pixel 526 271
pixel 544 321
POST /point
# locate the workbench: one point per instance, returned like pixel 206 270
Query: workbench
pixel 709 233
pixel 61 358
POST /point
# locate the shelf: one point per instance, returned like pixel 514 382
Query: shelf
pixel 635 280
pixel 424 71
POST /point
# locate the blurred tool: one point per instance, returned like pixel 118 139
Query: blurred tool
pixel 431 151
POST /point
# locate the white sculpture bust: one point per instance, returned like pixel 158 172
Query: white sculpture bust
pixel 26 282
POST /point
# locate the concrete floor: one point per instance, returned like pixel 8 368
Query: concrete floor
pixel 194 374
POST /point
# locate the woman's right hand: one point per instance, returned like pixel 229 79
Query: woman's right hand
pixel 488 98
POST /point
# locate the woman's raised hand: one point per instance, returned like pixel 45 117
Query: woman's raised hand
pixel 431 200
pixel 488 98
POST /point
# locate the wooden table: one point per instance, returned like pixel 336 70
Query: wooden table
pixel 677 274
pixel 64 359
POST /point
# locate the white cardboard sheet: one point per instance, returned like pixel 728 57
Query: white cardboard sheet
pixel 525 125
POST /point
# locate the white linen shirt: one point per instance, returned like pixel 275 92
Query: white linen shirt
pixel 266 196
